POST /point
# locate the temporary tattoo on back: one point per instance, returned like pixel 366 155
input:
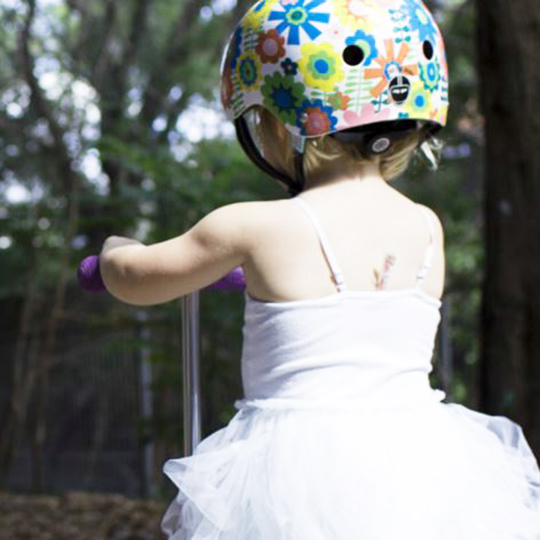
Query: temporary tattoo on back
pixel 381 278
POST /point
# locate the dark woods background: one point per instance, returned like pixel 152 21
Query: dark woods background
pixel 110 123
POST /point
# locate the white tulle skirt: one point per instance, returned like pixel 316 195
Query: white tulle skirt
pixel 443 472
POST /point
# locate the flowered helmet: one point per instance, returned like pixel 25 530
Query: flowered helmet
pixel 332 66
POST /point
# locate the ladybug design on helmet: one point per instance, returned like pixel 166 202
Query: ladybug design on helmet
pixel 329 66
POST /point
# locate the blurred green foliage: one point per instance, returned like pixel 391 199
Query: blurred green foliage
pixel 128 88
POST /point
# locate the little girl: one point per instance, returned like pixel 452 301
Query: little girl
pixel 339 435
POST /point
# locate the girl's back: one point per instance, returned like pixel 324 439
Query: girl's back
pixel 366 224
pixel 339 435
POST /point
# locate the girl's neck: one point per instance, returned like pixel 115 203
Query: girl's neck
pixel 336 175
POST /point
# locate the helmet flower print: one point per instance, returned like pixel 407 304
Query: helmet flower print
pixel 299 18
pixel 361 13
pixel 270 46
pixel 323 66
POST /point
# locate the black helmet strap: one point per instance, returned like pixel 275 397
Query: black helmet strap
pixel 245 139
pixel 299 170
pixel 375 139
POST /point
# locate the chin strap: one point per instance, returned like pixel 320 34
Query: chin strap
pixel 294 186
pixel 375 140
pixel 299 171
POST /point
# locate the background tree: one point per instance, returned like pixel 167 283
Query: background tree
pixel 91 82
pixel 508 44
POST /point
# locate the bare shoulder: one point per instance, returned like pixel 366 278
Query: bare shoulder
pixel 240 214
pixel 439 231
pixel 241 222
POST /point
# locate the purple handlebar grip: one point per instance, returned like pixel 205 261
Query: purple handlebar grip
pixel 233 281
pixel 89 275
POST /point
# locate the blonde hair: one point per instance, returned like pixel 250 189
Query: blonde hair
pixel 319 151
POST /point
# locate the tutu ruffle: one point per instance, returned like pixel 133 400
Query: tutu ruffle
pixel 380 459
pixel 442 472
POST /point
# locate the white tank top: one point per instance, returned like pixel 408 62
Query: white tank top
pixel 348 350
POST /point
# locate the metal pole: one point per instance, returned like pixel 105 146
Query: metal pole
pixel 445 348
pixel 191 372
pixel 146 409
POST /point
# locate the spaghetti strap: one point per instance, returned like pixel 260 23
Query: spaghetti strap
pixel 426 264
pixel 325 245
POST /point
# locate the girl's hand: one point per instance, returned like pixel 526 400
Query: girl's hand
pixel 111 267
pixel 114 242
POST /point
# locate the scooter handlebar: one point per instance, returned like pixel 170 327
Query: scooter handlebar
pixel 90 279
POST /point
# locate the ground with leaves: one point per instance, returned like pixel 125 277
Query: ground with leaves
pixel 83 516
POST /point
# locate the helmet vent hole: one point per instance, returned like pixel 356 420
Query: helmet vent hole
pixel 353 55
pixel 428 49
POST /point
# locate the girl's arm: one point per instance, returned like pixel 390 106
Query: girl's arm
pixel 147 275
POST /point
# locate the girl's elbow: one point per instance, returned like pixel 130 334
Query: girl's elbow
pixel 118 276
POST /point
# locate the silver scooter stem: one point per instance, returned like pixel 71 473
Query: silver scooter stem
pixel 191 372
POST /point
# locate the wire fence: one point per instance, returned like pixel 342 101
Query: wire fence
pixel 114 413
pixel 100 406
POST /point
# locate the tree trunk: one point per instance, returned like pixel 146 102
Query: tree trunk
pixel 508 45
